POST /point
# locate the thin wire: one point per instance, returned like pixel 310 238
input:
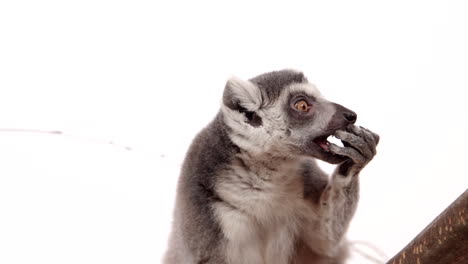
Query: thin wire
pixel 61 133
pixel 382 257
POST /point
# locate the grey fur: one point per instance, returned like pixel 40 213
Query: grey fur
pixel 195 229
pixel 272 83
pixel 250 190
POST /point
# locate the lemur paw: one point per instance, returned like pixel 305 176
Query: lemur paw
pixel 359 145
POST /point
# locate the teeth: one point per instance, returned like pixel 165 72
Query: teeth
pixel 332 139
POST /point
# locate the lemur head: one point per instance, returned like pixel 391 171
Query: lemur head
pixel 282 113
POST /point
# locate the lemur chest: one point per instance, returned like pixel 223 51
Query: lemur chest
pixel 267 187
pixel 264 209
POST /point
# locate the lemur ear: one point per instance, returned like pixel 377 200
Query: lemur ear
pixel 241 95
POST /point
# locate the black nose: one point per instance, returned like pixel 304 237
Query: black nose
pixel 350 117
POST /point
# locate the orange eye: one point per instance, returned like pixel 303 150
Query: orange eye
pixel 302 106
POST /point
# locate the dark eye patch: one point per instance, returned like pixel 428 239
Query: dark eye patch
pixel 296 117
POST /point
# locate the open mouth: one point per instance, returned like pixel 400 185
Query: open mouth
pixel 324 142
pixel 324 145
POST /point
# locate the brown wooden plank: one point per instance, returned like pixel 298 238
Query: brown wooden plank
pixel 443 241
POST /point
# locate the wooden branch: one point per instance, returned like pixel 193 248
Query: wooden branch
pixel 444 241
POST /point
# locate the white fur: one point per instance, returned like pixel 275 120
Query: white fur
pixel 262 221
pixel 307 88
pixel 249 95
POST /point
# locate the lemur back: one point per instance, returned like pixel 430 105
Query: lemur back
pixel 250 190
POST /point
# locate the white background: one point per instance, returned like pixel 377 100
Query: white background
pixel 149 75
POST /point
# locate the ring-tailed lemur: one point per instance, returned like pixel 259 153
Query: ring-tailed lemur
pixel 250 191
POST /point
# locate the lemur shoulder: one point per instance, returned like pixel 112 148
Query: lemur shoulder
pixel 250 190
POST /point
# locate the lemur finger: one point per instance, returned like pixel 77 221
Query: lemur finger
pixel 371 139
pixel 351 153
pixel 354 129
pixel 374 136
pixel 362 131
pixel 356 142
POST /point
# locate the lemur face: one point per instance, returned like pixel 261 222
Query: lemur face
pixel 282 112
pixel 312 119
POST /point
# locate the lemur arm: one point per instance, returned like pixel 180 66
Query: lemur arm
pixel 338 200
